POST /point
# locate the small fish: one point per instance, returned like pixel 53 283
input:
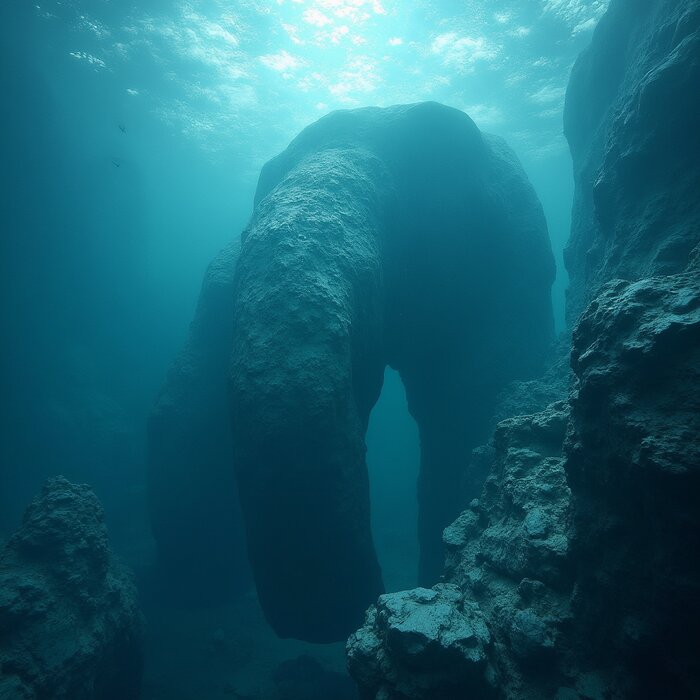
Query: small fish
pixel 122 127
pixel 116 163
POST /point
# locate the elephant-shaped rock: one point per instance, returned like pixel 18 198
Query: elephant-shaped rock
pixel 403 237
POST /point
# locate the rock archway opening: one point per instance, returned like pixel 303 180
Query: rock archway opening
pixel 393 459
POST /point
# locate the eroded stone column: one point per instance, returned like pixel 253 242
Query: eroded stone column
pixel 307 366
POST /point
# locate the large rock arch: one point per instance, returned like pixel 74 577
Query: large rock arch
pixel 400 236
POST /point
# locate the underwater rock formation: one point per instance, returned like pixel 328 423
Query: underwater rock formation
pixel 302 388
pixel 398 236
pixel 581 553
pixel 194 508
pixel 69 618
pixel 578 495
pixel 631 116
pixel 633 464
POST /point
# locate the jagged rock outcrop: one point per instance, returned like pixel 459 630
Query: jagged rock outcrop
pixel 633 463
pixel 632 109
pixel 69 618
pixel 194 508
pixel 509 567
pixel 398 236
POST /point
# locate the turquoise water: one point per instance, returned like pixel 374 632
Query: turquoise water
pixel 133 134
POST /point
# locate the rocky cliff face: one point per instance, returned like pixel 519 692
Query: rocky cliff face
pixel 633 452
pixel 632 109
pixel 579 557
pixel 69 618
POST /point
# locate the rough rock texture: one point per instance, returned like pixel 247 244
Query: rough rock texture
pixel 423 643
pixel 632 109
pixel 306 369
pixel 520 398
pixel 69 619
pixel 400 236
pixel 581 553
pixel 195 513
pixel 510 550
pixel 634 468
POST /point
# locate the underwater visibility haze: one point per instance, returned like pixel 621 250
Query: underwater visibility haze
pixel 350 349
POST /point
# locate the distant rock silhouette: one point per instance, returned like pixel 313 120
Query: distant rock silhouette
pixel 195 514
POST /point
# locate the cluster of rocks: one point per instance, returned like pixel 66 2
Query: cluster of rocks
pixel 579 560
pixel 70 624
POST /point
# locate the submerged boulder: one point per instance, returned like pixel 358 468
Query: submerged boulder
pixel 69 619
pixel 424 643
